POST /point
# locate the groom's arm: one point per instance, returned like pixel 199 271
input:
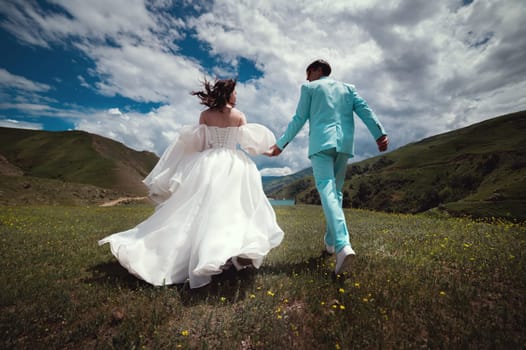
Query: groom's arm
pixel 362 109
pixel 299 119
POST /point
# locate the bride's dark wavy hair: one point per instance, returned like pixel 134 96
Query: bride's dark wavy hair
pixel 216 95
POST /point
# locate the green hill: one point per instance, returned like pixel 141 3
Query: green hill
pixel 280 184
pixel 42 160
pixel 479 170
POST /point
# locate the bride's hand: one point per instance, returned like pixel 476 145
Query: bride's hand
pixel 273 151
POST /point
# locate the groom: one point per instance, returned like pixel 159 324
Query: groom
pixel 328 105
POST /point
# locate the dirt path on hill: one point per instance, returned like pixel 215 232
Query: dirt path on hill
pixel 121 200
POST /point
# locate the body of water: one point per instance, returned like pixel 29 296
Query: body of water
pixel 277 202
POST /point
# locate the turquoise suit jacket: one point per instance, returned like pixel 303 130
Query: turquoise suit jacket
pixel 328 105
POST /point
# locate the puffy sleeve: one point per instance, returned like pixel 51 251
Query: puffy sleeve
pixel 166 175
pixel 256 138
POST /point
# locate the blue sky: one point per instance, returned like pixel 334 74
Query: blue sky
pixel 124 68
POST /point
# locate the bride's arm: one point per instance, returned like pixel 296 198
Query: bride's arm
pixel 256 138
pixel 202 118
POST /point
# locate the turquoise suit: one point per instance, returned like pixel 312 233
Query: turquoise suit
pixel 329 106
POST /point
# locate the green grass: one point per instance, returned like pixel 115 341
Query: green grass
pixel 417 281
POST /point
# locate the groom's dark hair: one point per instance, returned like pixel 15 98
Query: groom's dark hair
pixel 325 67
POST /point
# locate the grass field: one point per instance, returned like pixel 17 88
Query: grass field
pixel 417 282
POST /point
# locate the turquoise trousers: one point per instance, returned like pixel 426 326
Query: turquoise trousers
pixel 329 167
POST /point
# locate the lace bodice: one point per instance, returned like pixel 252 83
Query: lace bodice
pixel 223 137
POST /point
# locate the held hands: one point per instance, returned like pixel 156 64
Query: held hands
pixel 273 151
pixel 382 143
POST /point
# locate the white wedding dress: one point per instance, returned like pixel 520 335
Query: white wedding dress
pixel 211 207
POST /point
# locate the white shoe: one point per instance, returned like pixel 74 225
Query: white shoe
pixel 343 259
pixel 328 248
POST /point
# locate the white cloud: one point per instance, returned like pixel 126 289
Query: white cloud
pixel 12 123
pixel 12 81
pixel 143 74
pixel 83 82
pixel 40 110
pixel 152 131
pixel 275 171
pixel 114 111
pixel 98 21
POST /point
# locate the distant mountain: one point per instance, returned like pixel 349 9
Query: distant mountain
pixel 275 184
pixel 479 170
pixel 80 162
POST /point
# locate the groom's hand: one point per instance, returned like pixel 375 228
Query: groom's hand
pixel 382 143
pixel 273 151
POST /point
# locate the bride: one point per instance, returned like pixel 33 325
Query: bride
pixel 211 209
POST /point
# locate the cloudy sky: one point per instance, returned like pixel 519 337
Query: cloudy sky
pixel 124 68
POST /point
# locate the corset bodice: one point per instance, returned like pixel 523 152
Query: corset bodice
pixel 223 137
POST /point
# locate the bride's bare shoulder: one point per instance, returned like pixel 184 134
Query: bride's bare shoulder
pixel 239 116
pixel 222 118
pixel 204 116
